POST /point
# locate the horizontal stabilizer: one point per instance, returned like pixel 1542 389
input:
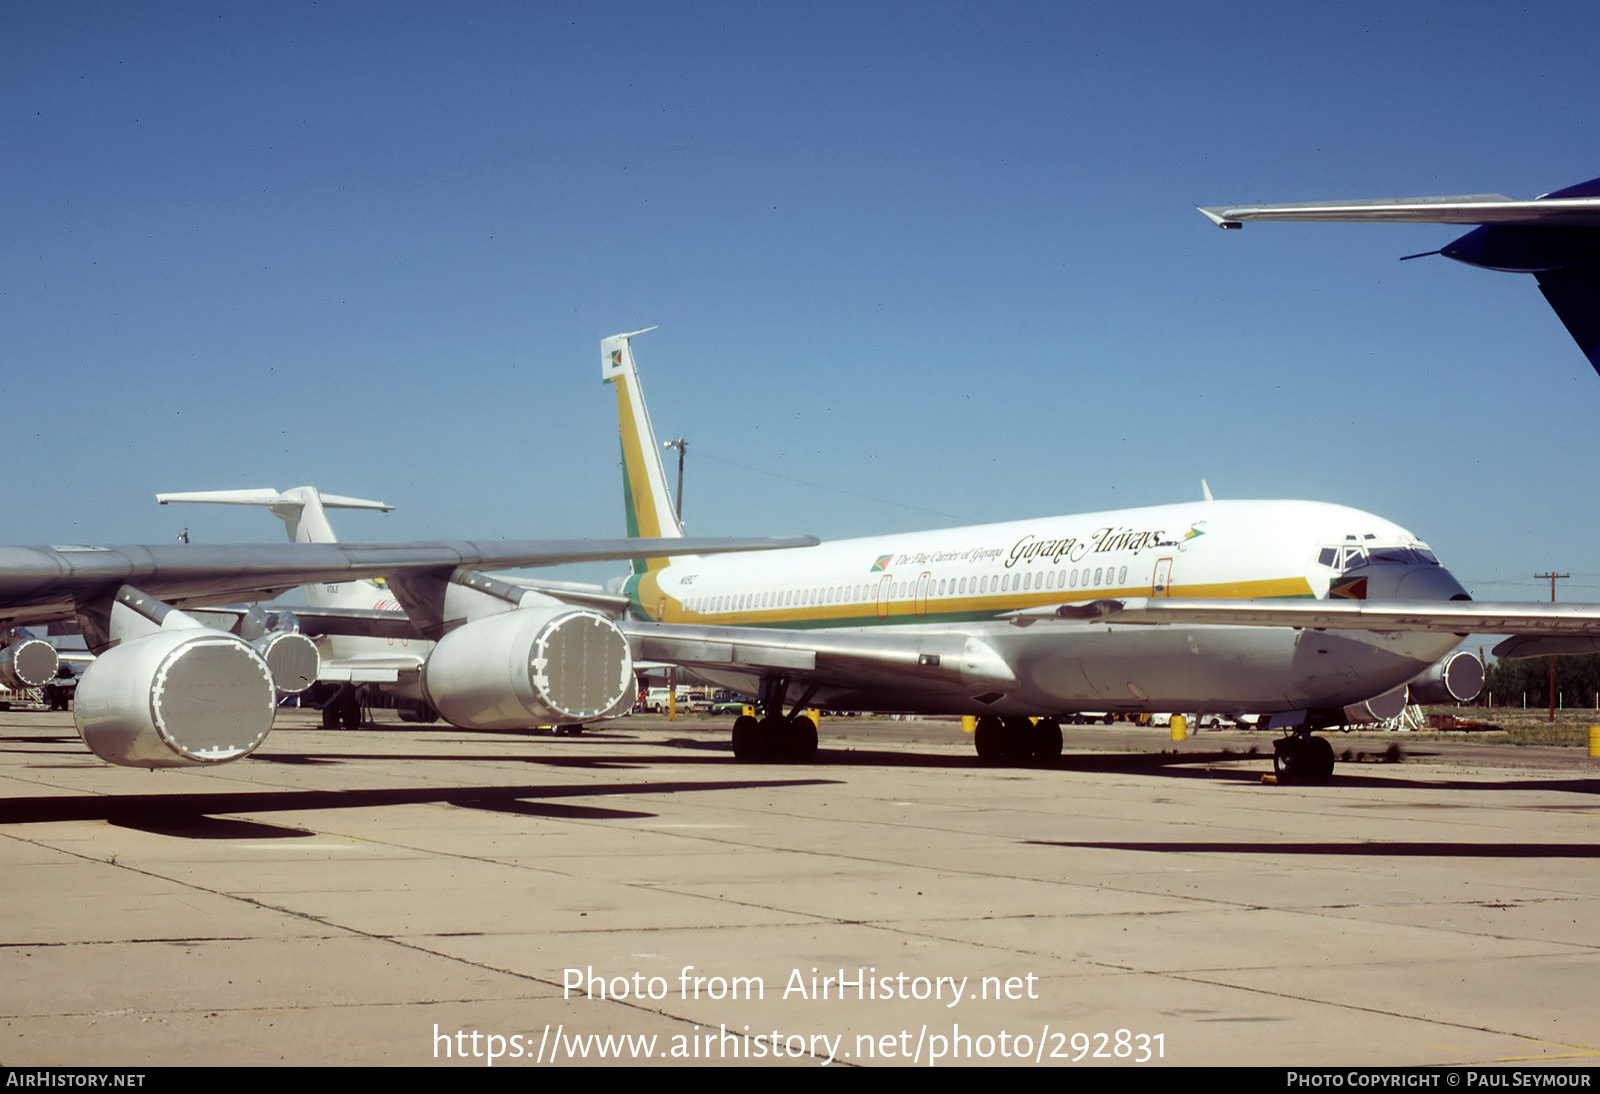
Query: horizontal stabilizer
pixel 268 496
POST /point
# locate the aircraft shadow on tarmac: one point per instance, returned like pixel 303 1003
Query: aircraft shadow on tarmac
pixel 196 816
pixel 1371 848
pixel 1224 765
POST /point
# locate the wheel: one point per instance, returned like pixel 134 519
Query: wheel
pixel 1319 760
pixel 1288 758
pixel 800 737
pixel 349 712
pixel 1018 738
pixel 989 737
pixel 746 739
pixel 1046 739
pixel 330 716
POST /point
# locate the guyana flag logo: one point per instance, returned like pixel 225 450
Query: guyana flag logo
pixel 882 564
pixel 616 358
pixel 1350 588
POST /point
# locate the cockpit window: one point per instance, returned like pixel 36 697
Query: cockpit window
pixel 1349 556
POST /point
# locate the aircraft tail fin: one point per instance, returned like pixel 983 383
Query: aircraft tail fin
pixel 646 500
pixel 1555 237
pixel 1574 293
pixel 302 511
pixel 300 508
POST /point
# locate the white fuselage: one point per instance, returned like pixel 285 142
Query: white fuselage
pixel 966 586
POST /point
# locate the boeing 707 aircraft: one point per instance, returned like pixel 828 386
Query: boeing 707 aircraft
pixel 167 691
pixel 1291 609
pixel 1555 237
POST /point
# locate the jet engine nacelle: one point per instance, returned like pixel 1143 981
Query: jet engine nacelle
pixel 177 698
pixel 29 663
pixel 1380 708
pixel 1456 679
pixel 293 659
pixel 539 665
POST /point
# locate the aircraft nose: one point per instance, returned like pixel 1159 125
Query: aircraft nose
pixel 1429 583
pixel 1388 579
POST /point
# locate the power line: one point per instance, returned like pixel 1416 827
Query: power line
pixel 702 454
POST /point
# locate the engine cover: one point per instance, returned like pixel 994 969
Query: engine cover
pixel 176 698
pixel 1456 679
pixel 532 666
pixel 293 659
pixel 28 664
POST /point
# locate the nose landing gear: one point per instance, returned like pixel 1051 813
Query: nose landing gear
pixel 1302 758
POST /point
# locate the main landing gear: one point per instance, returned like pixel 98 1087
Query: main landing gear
pixel 1017 740
pixel 774 740
pixel 1302 758
pixel 774 737
pixel 343 711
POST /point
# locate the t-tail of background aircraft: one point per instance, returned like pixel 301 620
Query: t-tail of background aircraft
pixel 1555 237
pixel 1289 609
pixel 365 640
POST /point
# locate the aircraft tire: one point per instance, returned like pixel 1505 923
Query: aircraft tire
pixel 1019 736
pixel 349 711
pixel 989 739
pixel 800 734
pixel 330 716
pixel 1288 758
pixel 1046 740
pixel 1319 760
pixel 747 734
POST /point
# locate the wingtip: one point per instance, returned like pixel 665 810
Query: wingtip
pixel 1217 214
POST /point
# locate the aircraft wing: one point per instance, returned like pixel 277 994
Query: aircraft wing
pixel 1532 623
pixel 38 584
pixel 1574 212
pixel 851 658
pixel 868 657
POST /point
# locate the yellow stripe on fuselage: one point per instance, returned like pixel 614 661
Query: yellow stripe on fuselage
pixel 903 610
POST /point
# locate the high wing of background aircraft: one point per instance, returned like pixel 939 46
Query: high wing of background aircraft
pixel 361 632
pixel 1292 609
pixel 166 691
pixel 1555 237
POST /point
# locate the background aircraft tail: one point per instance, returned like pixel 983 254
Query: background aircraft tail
pixel 647 503
pixel 1555 237
pixel 302 511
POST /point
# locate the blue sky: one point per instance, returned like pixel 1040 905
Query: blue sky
pixel 938 258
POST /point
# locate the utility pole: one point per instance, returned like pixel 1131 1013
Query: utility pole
pixel 1554 577
pixel 682 446
pixel 672 673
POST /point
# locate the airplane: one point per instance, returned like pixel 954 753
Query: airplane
pixel 1292 610
pixel 391 661
pixel 1555 237
pixel 165 690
